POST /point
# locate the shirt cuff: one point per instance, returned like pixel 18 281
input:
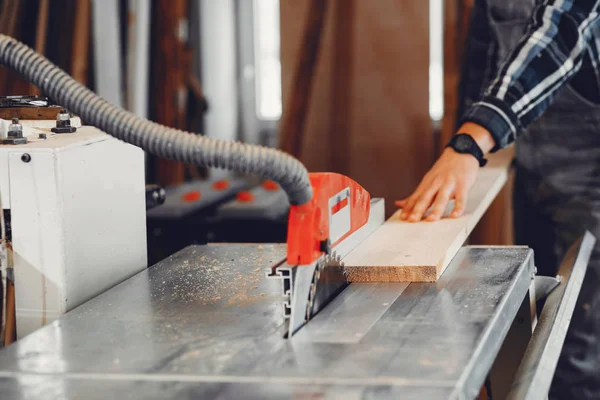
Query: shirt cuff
pixel 497 117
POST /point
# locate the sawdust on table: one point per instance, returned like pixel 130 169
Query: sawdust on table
pixel 206 280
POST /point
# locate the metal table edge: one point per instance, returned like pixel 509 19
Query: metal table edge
pixel 535 373
pixel 474 375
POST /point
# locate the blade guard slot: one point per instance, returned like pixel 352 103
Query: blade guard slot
pixel 335 197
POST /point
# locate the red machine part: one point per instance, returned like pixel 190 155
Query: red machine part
pixel 245 197
pixel 220 185
pixel 192 196
pixel 270 185
pixel 309 224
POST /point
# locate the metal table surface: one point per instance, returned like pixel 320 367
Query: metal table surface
pixel 207 323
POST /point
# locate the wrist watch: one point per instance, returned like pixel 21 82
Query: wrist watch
pixel 465 144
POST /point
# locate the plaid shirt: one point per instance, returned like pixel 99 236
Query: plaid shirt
pixel 560 45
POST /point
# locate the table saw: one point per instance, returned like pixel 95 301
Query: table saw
pixel 207 323
pixel 274 320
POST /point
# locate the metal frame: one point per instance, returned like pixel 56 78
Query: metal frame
pixel 205 323
pixel 509 358
pixel 536 371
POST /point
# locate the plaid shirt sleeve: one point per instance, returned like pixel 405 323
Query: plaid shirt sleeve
pixel 547 56
pixel 480 59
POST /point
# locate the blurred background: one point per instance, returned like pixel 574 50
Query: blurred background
pixel 364 88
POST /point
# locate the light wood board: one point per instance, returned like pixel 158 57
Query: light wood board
pixel 402 251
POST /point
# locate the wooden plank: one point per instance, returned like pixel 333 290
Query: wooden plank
pixel 296 110
pixel 8 20
pixel 401 251
pixel 40 35
pixel 341 85
pixel 172 63
pixel 81 41
pixel 34 113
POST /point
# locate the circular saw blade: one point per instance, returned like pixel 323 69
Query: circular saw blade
pixel 328 281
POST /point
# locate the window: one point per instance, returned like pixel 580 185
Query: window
pixel 260 70
pixel 267 59
pixel 436 60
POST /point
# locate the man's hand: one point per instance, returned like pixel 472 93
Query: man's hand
pixel 450 178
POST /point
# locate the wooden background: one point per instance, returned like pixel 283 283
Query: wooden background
pixel 368 115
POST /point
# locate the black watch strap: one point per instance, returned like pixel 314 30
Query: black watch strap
pixel 465 144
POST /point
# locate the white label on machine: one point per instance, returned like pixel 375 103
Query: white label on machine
pixel 339 215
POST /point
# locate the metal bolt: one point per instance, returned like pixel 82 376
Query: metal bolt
pixel 63 115
pixel 15 130
pixel 15 133
pixel 63 123
pixel 26 158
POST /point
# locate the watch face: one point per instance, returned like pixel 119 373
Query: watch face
pixel 463 143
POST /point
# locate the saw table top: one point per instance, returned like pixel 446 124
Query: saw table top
pixel 207 323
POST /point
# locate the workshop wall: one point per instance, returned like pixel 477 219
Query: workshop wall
pixel 368 115
pixel 368 112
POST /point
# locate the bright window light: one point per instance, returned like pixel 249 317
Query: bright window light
pixel 436 60
pixel 267 59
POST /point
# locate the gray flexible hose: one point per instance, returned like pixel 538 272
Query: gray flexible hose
pixel 154 138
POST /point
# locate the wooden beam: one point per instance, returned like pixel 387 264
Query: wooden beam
pixel 420 252
pixel 40 35
pixel 341 86
pixel 296 110
pixel 387 121
pixel 172 62
pixel 81 41
pixel 8 21
pixel 35 113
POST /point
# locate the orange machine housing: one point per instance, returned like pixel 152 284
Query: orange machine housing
pixel 308 227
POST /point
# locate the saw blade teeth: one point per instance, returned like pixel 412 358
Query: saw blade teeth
pixel 328 260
